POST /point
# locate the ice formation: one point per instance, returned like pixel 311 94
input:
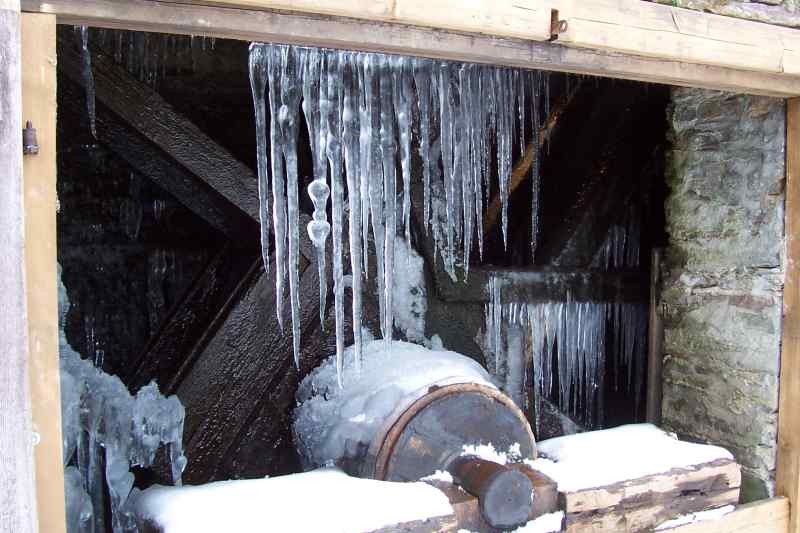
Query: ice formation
pixel 340 504
pixel 106 430
pixel 573 336
pixel 329 422
pixel 628 452
pixel 88 78
pixel 362 111
pixel 409 300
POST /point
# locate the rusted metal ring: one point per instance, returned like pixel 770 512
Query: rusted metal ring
pixel 383 445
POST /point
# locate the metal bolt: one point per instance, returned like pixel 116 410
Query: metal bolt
pixel 30 145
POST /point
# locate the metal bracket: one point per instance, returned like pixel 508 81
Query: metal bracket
pixel 30 145
pixel 557 25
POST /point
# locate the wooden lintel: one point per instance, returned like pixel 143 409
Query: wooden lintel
pixel 787 475
pixel 247 23
pixel 765 516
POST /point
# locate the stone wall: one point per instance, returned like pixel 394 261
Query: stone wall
pixel 724 275
pixel 783 12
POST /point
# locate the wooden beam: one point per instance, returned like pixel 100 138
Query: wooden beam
pixel 655 30
pixel 17 487
pixel 150 115
pixel 349 33
pixel 765 516
pixel 787 476
pixel 39 106
pixel 629 26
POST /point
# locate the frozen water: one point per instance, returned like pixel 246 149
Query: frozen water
pixel 360 112
pixel 104 423
pixel 88 78
pixel 409 298
pixel 331 424
pixel 573 334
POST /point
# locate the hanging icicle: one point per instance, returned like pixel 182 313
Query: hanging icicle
pixel 359 109
pixel 88 79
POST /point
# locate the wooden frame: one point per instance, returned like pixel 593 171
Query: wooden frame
pixel 627 39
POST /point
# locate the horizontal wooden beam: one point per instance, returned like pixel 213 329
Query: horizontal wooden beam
pixel 765 516
pixel 350 33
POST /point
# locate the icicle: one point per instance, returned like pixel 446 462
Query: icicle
pixel 259 62
pixel 279 215
pixel 388 153
pixel 535 178
pixel 376 192
pixel 422 82
pixel 288 118
pixel 402 104
pixel 351 138
pixel 365 75
pixel 446 136
pixel 318 190
pixel 88 79
pixel 334 153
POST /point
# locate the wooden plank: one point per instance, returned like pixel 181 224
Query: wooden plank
pixel 347 33
pixel 765 516
pixel 788 467
pixel 655 30
pixel 17 486
pixel 39 106
pixel 629 26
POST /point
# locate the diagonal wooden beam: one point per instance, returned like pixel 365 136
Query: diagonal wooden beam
pixel 146 158
pixel 146 112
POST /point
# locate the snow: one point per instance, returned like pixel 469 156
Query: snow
pixel 547 523
pixel 440 475
pixel 339 503
pixel 409 299
pixel 702 516
pixel 598 458
pixel 489 453
pixel 330 422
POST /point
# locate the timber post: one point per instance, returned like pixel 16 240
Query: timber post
pixel 17 488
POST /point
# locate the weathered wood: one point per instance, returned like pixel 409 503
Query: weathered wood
pixel 152 117
pixel 236 368
pixel 639 504
pixel 545 284
pixel 765 516
pixel 620 25
pixel 39 107
pixel 17 486
pixel 298 28
pixel 150 161
pixel 788 468
pixel 180 337
pixel 655 341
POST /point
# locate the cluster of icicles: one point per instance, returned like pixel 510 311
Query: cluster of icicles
pixel 574 336
pixel 361 111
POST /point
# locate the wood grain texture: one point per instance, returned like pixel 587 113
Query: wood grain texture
pixel 321 30
pixel 17 485
pixel 39 106
pixel 765 516
pixel 787 476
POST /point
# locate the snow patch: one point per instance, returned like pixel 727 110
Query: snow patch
pixel 340 503
pixel 409 300
pixel 330 422
pixel 628 452
pixel 547 523
pixel 489 453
